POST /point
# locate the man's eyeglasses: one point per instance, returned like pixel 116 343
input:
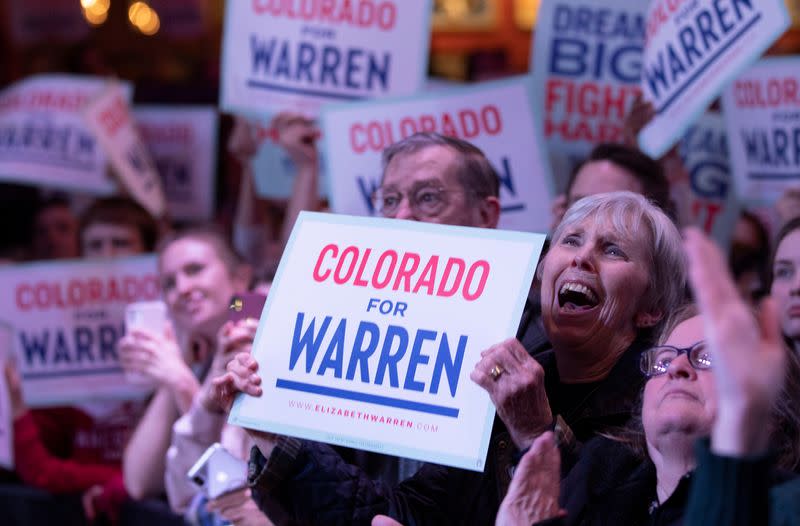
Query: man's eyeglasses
pixel 425 201
pixel 656 360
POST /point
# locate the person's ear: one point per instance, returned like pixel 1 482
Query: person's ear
pixel 489 210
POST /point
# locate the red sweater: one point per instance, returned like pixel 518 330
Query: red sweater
pixel 67 450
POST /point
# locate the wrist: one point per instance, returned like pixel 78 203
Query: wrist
pixel 525 441
pixel 184 387
pixel 741 431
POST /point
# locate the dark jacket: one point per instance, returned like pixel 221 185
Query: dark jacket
pixel 611 486
pixel 315 486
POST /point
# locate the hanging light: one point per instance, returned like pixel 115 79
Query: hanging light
pixel 144 18
pixel 95 11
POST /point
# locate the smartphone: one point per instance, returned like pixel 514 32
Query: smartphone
pixel 246 305
pixel 150 316
pixel 217 472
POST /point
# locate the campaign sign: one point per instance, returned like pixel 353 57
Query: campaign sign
pixel 694 48
pixel 183 143
pixel 495 116
pixel 44 139
pixel 108 115
pixel 273 169
pixel 586 63
pixel 67 318
pixel 372 328
pixel 713 205
pixel 296 55
pixel 762 112
pixel 6 412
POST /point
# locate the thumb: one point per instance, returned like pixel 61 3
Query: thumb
pixel 768 322
pixel 383 520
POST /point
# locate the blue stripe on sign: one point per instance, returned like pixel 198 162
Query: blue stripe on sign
pixel 370 399
pixel 772 175
pixel 66 374
pixel 513 208
pixel 710 61
pixel 40 159
pixel 300 91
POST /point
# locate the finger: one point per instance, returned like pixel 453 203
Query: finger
pixel 247 361
pixel 383 520
pixel 249 385
pixel 499 355
pixel 517 351
pixel 769 323
pixel 708 274
pixel 482 379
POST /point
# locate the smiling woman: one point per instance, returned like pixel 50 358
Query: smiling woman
pixel 198 272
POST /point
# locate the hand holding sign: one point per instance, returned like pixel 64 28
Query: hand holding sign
pixel 234 339
pixel 515 383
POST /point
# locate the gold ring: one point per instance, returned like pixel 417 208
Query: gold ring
pixel 496 372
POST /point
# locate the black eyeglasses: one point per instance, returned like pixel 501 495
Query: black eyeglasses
pixel 656 360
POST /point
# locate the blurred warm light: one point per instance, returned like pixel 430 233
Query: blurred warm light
pixel 525 12
pixel 794 11
pixel 95 11
pixel 144 18
pixel 455 8
pixel 95 18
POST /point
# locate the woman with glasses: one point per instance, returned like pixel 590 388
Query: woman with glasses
pixel 723 374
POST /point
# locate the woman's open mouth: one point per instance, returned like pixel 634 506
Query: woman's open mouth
pixel 573 296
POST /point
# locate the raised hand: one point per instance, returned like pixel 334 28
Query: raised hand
pixel 747 351
pixel 533 494
pixel 515 383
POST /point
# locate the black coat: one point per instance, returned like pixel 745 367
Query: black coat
pixel 318 487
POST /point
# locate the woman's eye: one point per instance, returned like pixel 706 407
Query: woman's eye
pixel 613 250
pixel 193 268
pixel 571 239
pixel 784 272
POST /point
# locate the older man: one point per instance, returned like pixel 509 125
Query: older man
pixel 437 179
pixel 598 329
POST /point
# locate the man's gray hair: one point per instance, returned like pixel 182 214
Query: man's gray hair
pixel 476 173
pixel 631 214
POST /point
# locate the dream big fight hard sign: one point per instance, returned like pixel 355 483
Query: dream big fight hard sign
pixel 372 328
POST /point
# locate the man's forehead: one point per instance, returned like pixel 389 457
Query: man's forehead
pixel 433 164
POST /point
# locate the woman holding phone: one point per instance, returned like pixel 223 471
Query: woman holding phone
pixel 199 273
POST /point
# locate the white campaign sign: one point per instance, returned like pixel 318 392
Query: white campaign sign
pixel 762 113
pixel 586 58
pixel 273 169
pixel 494 116
pixel 371 330
pixel 44 139
pixel 6 416
pixel 713 203
pixel 279 55
pixel 693 50
pixel 108 115
pixel 183 143
pixel 67 318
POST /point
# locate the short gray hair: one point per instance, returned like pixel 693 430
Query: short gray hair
pixel 629 213
pixel 476 173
